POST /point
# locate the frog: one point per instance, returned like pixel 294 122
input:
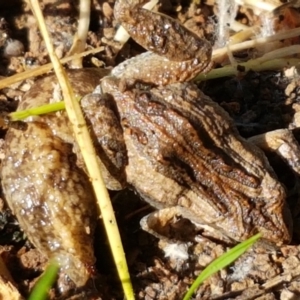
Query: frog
pixel 156 133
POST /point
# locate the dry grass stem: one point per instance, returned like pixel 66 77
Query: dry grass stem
pixel 217 53
pixel 82 32
pixel 89 155
pixel 258 5
pixel 44 69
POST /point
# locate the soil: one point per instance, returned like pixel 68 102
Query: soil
pixel 258 103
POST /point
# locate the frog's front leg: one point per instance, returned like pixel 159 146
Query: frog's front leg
pixel 176 55
pixel 162 224
pixel 102 118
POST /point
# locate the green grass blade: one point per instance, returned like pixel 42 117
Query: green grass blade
pixel 44 284
pixel 221 262
pixel 40 110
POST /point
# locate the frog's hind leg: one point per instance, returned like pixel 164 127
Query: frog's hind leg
pixel 283 142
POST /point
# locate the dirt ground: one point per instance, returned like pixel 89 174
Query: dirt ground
pixel 257 102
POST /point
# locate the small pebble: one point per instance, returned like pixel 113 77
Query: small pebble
pixel 13 48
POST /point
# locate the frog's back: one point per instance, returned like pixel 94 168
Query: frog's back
pixel 185 150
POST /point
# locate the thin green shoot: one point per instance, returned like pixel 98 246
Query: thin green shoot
pixel 36 111
pixel 221 262
pixel 40 110
pixel 44 284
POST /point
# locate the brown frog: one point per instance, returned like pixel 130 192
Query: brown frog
pixel 172 144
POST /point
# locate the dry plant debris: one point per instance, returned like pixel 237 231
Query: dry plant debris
pixel 258 102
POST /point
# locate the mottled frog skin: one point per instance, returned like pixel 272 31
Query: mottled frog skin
pixel 168 141
pixel 185 153
pixel 44 187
